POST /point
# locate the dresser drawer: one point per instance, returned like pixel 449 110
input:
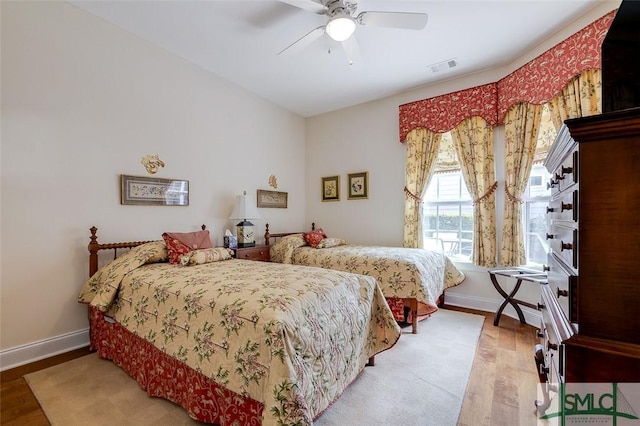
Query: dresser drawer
pixel 260 253
pixel 567 174
pixel 564 207
pixel 564 243
pixel 556 330
pixel 563 283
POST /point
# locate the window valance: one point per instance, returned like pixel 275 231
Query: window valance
pixel 536 82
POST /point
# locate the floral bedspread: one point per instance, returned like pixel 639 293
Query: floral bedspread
pixel 400 272
pixel 290 337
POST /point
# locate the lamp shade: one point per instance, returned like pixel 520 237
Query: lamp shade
pixel 244 209
pixel 340 27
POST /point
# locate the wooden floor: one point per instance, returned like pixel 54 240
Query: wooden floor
pixel 501 389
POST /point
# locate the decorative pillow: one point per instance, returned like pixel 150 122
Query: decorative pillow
pixel 181 243
pixel 331 242
pixel 314 238
pixel 201 256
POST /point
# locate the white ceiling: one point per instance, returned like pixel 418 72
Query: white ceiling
pixel 239 41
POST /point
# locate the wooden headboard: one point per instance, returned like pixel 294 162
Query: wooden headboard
pixel 268 236
pixel 94 246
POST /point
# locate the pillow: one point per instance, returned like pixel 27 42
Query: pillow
pixel 202 256
pixel 313 238
pixel 181 243
pixel 331 242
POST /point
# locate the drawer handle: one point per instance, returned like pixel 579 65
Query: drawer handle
pixel 551 184
pixel 540 306
pixel 546 268
pixel 566 170
pixel 540 334
pixel 559 177
pixel 549 236
pixel 565 246
pixel 563 293
pixel 552 346
pixel 549 209
pixel 567 206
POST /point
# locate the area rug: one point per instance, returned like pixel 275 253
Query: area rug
pixel 420 381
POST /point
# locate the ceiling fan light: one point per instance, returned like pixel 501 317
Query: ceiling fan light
pixel 341 27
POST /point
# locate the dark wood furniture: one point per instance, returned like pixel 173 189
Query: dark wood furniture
pixel 259 253
pixel 520 274
pixel 591 328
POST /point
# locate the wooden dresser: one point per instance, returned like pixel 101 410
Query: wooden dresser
pixel 590 329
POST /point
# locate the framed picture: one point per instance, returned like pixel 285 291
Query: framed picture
pixel 331 188
pixel 273 199
pixel 358 185
pixel 142 190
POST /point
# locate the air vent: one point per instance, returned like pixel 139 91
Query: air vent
pixel 444 65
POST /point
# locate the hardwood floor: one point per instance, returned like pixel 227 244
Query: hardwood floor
pixel 501 389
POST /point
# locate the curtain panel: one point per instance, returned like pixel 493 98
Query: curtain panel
pixel 521 137
pixel 473 139
pixel 422 150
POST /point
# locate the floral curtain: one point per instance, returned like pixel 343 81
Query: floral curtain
pixel 422 151
pixel 473 139
pixel 581 97
pixel 522 124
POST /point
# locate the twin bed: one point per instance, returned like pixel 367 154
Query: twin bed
pixel 412 280
pixel 234 341
pixel 244 342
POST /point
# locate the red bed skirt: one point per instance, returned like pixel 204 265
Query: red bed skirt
pixel 163 376
pixel 402 314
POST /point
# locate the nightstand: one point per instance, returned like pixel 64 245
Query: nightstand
pixel 258 252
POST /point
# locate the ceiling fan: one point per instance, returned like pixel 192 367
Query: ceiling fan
pixel 343 21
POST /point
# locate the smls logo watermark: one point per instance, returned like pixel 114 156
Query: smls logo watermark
pixel 614 404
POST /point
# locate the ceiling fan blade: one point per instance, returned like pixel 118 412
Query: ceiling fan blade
pixel 351 49
pixel 303 41
pixel 308 5
pixel 405 20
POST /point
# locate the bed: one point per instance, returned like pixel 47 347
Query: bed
pixel 412 280
pixel 234 341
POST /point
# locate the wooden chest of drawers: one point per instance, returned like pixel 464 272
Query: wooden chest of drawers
pixel 589 330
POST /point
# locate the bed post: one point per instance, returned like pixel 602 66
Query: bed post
pixel 266 234
pixel 93 252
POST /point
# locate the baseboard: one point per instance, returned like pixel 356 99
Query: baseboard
pixel 21 355
pixel 531 316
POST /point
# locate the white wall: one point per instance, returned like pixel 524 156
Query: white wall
pixel 365 138
pixel 82 102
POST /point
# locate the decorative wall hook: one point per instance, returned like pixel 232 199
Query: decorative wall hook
pixel 152 163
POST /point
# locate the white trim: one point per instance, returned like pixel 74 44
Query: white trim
pixel 31 352
pixel 531 316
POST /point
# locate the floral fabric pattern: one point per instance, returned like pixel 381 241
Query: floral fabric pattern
pixel 101 288
pixel 202 256
pixel 286 336
pixel 400 272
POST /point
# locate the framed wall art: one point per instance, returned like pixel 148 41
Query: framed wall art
pixel 331 188
pixel 358 185
pixel 272 199
pixel 151 191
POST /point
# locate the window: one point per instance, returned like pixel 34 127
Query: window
pixel 448 216
pixel 534 216
pixel 447 212
pixel 537 196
